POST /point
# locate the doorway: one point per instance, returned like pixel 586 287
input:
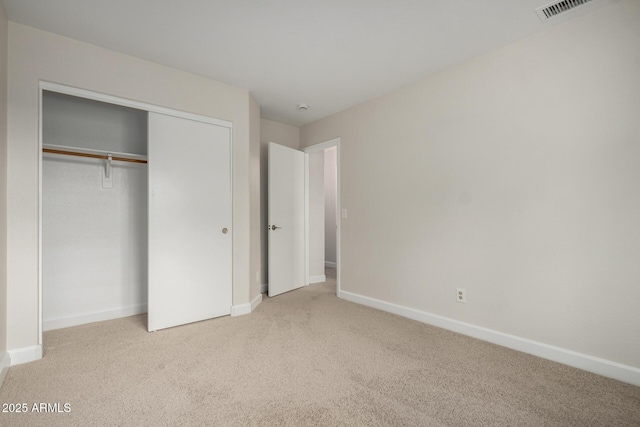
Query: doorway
pixel 296 218
pixel 323 219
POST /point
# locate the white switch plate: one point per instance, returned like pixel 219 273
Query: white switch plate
pixel 344 213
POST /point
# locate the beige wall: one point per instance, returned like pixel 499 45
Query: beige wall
pixel 515 175
pixel 282 134
pixel 254 171
pixel 4 37
pixel 37 55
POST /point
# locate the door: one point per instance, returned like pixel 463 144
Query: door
pixel 190 260
pixel 286 219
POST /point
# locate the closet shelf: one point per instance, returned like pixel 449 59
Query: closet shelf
pixel 94 154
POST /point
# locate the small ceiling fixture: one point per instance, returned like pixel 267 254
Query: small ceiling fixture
pixel 303 107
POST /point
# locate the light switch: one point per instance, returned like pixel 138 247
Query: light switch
pixel 344 213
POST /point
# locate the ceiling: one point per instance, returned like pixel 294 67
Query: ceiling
pixel 330 54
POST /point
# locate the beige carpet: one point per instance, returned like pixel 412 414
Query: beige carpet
pixel 304 358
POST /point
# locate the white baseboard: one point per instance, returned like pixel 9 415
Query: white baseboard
pixel 5 362
pixel 264 288
pixel 330 264
pixel 607 368
pixel 242 309
pixel 90 317
pixel 25 355
pixel 256 302
pixel 317 279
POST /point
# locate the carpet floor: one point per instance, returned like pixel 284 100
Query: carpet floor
pixel 303 358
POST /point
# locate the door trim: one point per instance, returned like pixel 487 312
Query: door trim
pixel 310 149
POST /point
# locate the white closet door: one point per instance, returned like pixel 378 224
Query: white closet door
pixel 190 240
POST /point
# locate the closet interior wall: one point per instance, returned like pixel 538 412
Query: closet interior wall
pixel 94 238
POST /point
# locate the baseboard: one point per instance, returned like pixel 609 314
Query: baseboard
pixel 607 368
pixel 330 264
pixel 256 302
pixel 264 288
pixel 242 309
pixel 317 279
pixel 5 362
pixel 90 317
pixel 25 355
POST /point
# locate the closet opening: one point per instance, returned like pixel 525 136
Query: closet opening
pixel 135 212
pixel 94 211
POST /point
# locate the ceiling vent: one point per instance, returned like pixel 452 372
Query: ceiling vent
pixel 558 7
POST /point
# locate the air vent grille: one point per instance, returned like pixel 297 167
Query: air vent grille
pixel 558 7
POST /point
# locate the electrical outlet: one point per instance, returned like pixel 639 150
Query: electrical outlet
pixel 461 295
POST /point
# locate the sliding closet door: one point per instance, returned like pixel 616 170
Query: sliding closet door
pixel 189 221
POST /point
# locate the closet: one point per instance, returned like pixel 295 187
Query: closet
pixel 136 213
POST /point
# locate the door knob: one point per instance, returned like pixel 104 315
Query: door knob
pixel 224 230
pixel 275 227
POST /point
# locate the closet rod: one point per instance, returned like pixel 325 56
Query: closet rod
pixel 93 156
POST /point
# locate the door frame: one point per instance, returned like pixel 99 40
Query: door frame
pixel 311 149
pixel 109 99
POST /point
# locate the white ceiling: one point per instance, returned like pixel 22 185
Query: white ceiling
pixel 330 54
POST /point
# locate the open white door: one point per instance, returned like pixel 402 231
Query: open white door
pixel 286 219
pixel 190 253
